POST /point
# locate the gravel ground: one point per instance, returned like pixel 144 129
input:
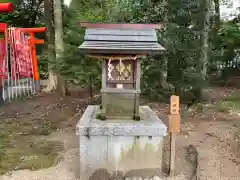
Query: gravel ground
pixel 61 172
pixel 215 142
pixel 218 156
pixel 65 170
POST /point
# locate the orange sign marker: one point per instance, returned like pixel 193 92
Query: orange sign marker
pixel 174 123
pixel 174 116
pixel 174 105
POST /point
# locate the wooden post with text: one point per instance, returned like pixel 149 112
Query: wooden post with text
pixel 173 128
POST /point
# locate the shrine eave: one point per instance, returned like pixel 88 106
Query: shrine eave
pixel 93 47
pixel 148 50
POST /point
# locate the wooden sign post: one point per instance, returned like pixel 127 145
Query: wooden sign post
pixel 173 128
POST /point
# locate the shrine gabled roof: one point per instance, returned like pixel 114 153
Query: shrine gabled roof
pixel 121 39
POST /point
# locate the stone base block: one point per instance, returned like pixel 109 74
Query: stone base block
pixel 120 148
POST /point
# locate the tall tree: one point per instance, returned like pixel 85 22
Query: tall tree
pixel 205 37
pixel 48 12
pixel 217 13
pixel 59 45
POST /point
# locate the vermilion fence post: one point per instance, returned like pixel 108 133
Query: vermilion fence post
pixel 33 42
pixel 4 8
pixel 35 62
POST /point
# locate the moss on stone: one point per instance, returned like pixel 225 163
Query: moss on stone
pixel 101 116
pixel 136 117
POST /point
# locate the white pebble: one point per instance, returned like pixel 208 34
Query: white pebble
pixel 137 178
pixel 156 178
pixel 127 178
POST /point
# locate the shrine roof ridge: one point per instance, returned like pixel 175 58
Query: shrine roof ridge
pixel 86 24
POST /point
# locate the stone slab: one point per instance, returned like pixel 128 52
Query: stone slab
pixel 149 125
pixel 128 155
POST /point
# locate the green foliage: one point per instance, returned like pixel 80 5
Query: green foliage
pixel 27 13
pixel 225 54
pixel 184 47
pixel 182 43
pixel 43 65
pixel 178 71
pixel 75 66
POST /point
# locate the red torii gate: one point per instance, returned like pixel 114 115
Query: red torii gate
pixel 7 8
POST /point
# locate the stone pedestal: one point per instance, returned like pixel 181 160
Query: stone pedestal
pixel 120 103
pixel 131 148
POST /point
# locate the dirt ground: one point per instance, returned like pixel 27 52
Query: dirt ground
pixel 215 133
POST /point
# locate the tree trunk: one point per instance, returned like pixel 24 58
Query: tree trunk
pixel 59 41
pixel 217 13
pixel 202 63
pixel 205 38
pixel 164 73
pixel 52 77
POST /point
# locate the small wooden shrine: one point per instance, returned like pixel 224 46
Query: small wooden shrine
pixel 120 46
pixel 124 144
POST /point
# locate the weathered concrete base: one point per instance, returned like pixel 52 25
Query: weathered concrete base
pixel 37 85
pixel 131 148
